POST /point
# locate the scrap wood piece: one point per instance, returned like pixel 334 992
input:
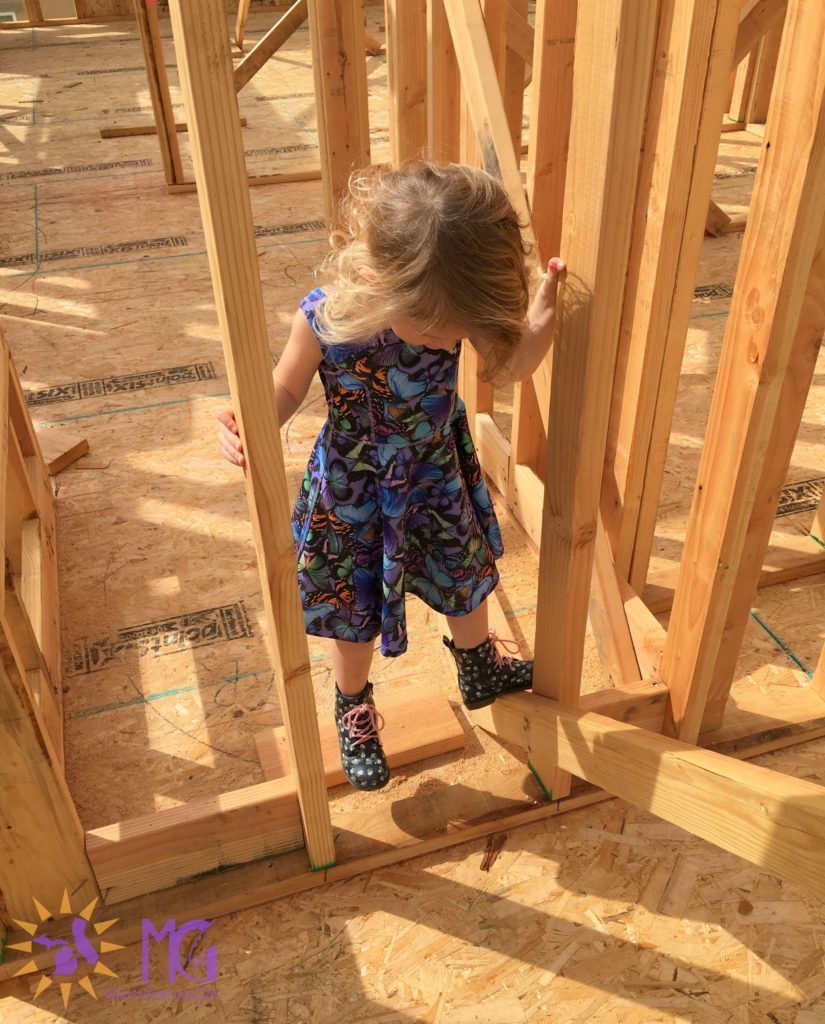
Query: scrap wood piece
pixel 60 447
pixel 717 220
pixel 407 737
pixel 608 617
pixel 269 44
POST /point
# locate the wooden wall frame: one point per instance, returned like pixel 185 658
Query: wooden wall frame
pixel 617 738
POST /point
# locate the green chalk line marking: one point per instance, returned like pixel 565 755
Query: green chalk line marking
pixel 782 645
pixel 36 228
pixel 322 867
pixel 134 408
pixel 547 792
pixel 821 543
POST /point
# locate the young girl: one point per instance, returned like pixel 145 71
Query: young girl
pixel 393 500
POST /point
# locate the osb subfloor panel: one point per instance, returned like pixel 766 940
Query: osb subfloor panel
pixel 605 914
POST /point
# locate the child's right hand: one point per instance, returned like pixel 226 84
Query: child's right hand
pixel 228 440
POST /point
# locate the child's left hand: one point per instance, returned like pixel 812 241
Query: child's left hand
pixel 556 269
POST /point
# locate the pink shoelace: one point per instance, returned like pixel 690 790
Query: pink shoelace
pixel 510 646
pixel 363 722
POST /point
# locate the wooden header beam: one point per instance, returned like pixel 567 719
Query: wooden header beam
pixel 205 67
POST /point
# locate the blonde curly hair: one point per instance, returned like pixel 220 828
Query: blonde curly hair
pixel 436 244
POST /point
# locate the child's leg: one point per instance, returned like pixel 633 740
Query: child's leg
pixel 356 718
pixel 351 664
pixel 469 630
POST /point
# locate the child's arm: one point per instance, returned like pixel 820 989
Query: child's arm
pixel 541 321
pixel 292 377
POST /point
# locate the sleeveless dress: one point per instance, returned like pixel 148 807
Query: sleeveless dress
pixel 393 501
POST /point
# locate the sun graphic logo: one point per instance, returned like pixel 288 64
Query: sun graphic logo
pixel 68 953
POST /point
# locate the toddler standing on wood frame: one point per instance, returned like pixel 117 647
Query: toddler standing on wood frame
pixel 393 500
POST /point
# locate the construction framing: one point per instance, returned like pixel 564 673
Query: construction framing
pixel 619 182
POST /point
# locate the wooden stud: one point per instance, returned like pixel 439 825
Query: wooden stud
pixel 443 83
pixel 274 39
pixel 520 34
pixel 764 74
pixel 205 69
pixel 654 332
pixel 614 52
pixel 757 18
pixel 60 447
pixel 740 101
pixel 766 340
pixel 818 525
pixel 407 79
pixel 776 459
pixel 146 15
pixel 609 619
pixel 240 22
pixel 336 31
pixel 33 10
pixel 818 681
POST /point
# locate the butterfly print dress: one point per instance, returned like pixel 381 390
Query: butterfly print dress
pixel 393 501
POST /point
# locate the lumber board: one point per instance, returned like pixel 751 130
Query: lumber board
pixel 740 100
pixel 282 177
pixel 270 43
pixel 776 460
pixel 521 36
pixel 146 16
pixel 765 74
pixel 702 159
pixel 241 18
pixel 795 557
pixel 527 498
pixel 671 210
pixel 407 737
pixel 33 10
pixel 493 450
pixel 406 22
pixel 60 447
pixel 818 525
pixel 390 832
pixel 818 680
pixel 772 335
pixel 205 69
pixel 717 220
pixel 757 17
pixel 336 32
pixel 608 618
pixel 42 850
pixel 775 821
pixel 612 64
pixel 443 83
pixel 646 632
pixel 156 851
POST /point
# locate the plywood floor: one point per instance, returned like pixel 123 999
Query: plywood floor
pixel 603 915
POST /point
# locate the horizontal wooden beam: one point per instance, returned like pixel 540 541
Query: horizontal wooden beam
pixel 775 821
pixel 155 851
pixel 795 558
pixel 407 737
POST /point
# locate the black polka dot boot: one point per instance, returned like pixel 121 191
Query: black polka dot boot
pixel 359 723
pixel 484 673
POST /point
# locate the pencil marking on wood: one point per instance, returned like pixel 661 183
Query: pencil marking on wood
pixel 162 636
pixel 77 391
pixel 46 172
pixel 107 249
pixel 802 496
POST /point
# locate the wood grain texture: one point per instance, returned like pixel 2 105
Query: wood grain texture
pixel 443 83
pixel 613 56
pixel 205 67
pixel 766 339
pixel 407 78
pixel 270 43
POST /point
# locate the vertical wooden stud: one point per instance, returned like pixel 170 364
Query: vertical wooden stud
pixel 818 526
pixel 336 30
pixel 443 85
pixel 763 342
pixel 202 46
pixel 146 15
pixel 407 78
pixel 694 45
pixel 613 58
pixel 240 22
